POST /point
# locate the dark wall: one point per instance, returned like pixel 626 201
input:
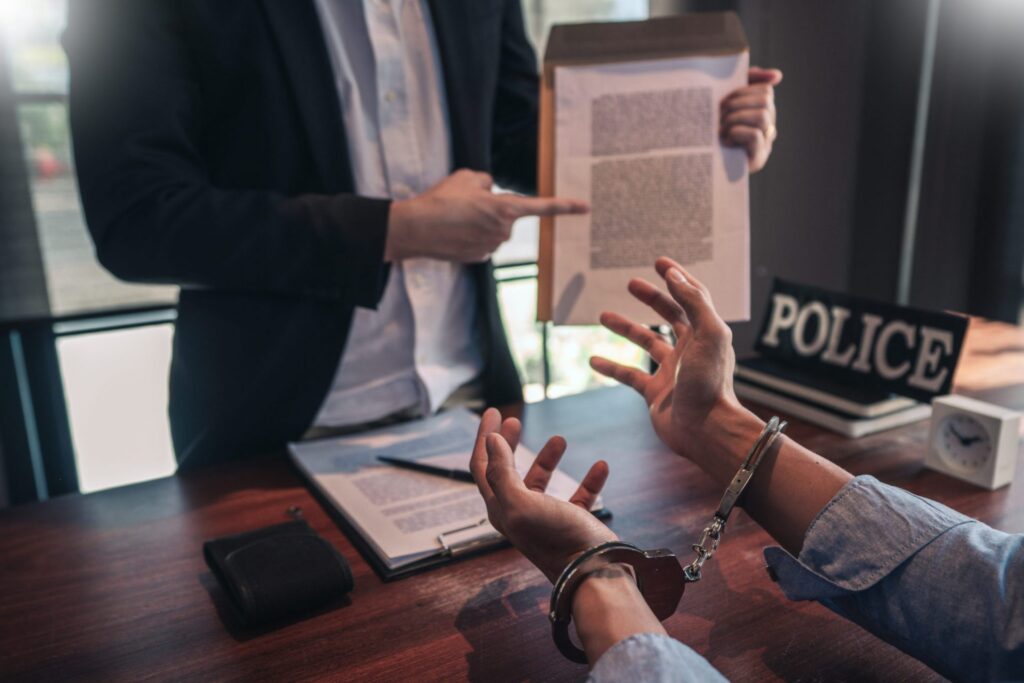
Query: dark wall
pixel 893 40
pixel 4 499
pixel 970 248
pixel 829 209
pixel 802 204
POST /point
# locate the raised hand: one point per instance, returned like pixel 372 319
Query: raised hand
pixel 693 383
pixel 748 116
pixel 696 413
pixel 548 531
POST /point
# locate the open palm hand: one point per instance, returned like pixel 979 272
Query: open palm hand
pixel 548 531
pixel 694 376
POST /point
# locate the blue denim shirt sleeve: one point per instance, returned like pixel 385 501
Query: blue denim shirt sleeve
pixel 652 658
pixel 942 587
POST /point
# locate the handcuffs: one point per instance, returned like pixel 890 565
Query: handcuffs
pixel 659 575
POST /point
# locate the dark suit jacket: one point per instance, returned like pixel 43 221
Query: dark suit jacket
pixel 211 154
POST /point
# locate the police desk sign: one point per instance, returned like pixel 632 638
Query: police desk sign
pixel 907 351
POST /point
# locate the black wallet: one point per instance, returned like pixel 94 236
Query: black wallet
pixel 278 572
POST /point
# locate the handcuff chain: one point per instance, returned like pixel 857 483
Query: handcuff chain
pixel 711 536
pixel 712 532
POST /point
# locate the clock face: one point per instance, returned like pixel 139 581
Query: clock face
pixel 964 443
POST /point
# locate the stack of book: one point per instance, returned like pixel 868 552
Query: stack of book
pixel 852 410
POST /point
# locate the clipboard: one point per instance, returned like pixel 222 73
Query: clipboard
pixel 449 552
pixel 343 475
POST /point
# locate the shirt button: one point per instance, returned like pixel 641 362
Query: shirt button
pixel 389 96
pixel 402 191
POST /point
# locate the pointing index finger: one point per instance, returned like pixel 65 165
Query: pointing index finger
pixel 543 206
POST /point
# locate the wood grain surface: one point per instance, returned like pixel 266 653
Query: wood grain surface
pixel 112 585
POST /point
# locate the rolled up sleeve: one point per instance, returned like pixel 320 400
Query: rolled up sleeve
pixel 939 585
pixel 653 658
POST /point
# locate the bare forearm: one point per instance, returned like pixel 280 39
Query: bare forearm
pixel 791 485
pixel 607 608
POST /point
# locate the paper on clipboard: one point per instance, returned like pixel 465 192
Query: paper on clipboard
pixel 405 515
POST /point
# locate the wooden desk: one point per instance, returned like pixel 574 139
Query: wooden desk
pixel 112 586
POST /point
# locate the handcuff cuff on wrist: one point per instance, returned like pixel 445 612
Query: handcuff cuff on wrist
pixel 659 575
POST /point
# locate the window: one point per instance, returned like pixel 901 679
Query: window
pixel 115 365
pixel 115 382
pixel 30 32
pixel 540 15
pixel 115 386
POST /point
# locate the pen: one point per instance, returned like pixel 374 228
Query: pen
pixel 457 475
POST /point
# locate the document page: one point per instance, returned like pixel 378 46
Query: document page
pixel 639 141
pixel 402 513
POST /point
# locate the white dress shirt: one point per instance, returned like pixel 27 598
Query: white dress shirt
pixel 419 345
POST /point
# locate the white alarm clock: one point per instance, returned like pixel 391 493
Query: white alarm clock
pixel 973 440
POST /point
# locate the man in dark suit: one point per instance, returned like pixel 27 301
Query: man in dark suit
pixel 289 165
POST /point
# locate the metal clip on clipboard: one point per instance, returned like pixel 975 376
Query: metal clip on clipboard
pixel 456 549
